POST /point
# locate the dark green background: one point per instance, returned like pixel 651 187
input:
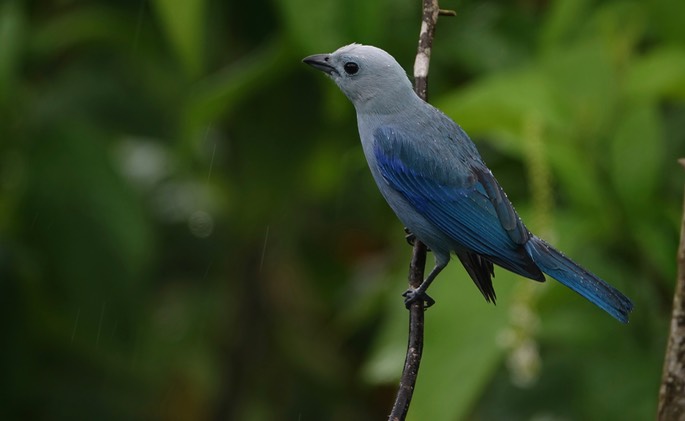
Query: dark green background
pixel 188 229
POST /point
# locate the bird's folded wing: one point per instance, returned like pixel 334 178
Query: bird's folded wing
pixel 464 203
pixel 505 211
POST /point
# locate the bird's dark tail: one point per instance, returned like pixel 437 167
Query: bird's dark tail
pixel 569 273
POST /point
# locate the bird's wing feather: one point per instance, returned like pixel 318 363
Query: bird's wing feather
pixel 469 206
pixel 508 217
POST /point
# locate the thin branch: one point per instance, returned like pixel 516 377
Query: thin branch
pixel 672 391
pixel 431 10
pixel 428 22
pixel 415 343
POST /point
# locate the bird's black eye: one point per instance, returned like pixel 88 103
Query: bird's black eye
pixel 351 68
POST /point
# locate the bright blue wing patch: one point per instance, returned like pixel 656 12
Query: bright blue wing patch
pixel 458 204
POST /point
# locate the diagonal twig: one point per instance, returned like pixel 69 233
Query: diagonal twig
pixel 412 360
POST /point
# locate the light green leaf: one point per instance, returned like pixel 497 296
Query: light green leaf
pixel 637 156
pixel 576 172
pixel 184 22
pixel 500 105
pixel 585 87
pixel 562 22
pixel 660 73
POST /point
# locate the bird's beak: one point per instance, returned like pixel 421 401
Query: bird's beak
pixel 320 62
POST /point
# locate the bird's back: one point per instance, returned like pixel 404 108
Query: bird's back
pixel 436 182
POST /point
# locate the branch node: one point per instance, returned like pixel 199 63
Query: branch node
pixel 447 12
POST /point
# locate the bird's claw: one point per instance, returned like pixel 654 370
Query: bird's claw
pixel 411 238
pixel 412 295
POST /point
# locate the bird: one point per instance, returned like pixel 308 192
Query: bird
pixel 434 179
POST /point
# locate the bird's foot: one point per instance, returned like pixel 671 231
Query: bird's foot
pixel 411 238
pixel 413 295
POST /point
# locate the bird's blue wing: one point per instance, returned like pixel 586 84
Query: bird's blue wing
pixel 458 195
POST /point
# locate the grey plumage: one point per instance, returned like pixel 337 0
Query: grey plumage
pixel 435 181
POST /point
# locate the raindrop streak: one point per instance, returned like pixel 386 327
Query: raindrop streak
pixel 73 331
pixel 102 315
pixel 208 267
pixel 266 238
pixel 114 330
pixel 139 23
pixel 211 161
pixel 136 351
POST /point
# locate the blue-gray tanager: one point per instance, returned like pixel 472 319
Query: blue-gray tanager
pixel 433 178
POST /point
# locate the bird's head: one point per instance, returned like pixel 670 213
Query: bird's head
pixel 371 78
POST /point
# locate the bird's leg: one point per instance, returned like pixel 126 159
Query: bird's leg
pixel 411 238
pixel 411 295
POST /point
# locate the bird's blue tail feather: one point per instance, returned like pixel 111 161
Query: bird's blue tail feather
pixel 555 264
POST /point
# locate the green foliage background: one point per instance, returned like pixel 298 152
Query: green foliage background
pixel 188 229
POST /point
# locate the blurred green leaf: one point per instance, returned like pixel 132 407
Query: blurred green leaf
pixel 584 88
pixel 95 24
pixel 656 242
pixel 218 94
pixel 12 39
pixel 76 194
pixel 499 105
pixel 637 156
pixel 577 173
pixel 561 23
pixel 365 18
pixel 666 17
pixel 315 26
pixel 184 23
pixel 660 73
